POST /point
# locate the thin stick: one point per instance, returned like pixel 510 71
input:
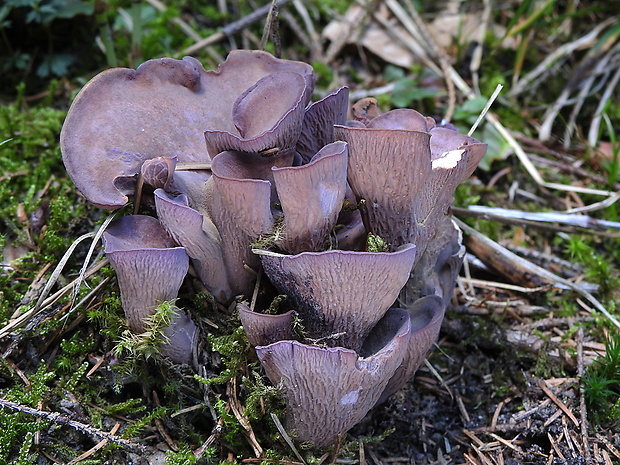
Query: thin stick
pixel 484 111
pixel 593 133
pixel 286 437
pixel 545 274
pixel 95 448
pixel 189 166
pixel 60 419
pixel 232 28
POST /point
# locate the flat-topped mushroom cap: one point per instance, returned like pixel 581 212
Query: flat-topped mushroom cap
pixel 150 270
pixel 134 232
pixel 329 390
pixel 124 117
pixel 340 291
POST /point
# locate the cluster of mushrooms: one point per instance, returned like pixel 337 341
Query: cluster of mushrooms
pixel 238 154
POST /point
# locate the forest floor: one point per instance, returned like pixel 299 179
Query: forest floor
pixel 527 366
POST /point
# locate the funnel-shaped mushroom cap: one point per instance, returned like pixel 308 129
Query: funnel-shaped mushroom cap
pixel 329 390
pixel 264 329
pixel 241 212
pixel 261 103
pixel 149 270
pixel 388 168
pixel 200 238
pixel 340 291
pixel 319 121
pixel 426 316
pixel 124 117
pixel 268 115
pixel 405 177
pixel 311 197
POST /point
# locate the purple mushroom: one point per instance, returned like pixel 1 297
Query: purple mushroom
pixel 124 117
pixel 150 270
pixel 329 390
pixel 281 170
pixel 340 295
pixel 405 172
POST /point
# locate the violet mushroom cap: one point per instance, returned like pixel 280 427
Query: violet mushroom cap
pixel 311 196
pixel 264 329
pixel 266 116
pixel 319 121
pixel 241 211
pixel 340 291
pixel 242 201
pixel 329 390
pixel 124 117
pixel 425 317
pixel 201 240
pixel 150 270
pixel 406 184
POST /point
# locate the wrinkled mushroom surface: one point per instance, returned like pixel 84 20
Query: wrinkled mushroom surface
pixel 150 271
pixel 264 329
pixel 124 117
pixel 329 390
pixel 340 294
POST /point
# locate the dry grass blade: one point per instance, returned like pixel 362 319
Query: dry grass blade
pixel 586 75
pixel 91 250
pixel 537 270
pixel 460 83
pixel 58 270
pixel 593 133
pixel 527 82
pixel 486 108
pixel 286 437
pixel 26 316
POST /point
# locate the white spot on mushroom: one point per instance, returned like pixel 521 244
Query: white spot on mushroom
pixel 448 160
pixel 350 397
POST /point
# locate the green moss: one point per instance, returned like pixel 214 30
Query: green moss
pixel 233 348
pixel 375 243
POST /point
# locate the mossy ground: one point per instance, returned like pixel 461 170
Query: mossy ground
pixel 478 400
